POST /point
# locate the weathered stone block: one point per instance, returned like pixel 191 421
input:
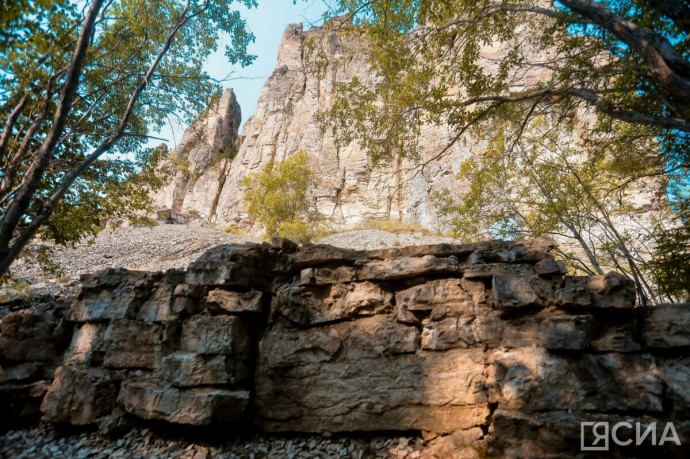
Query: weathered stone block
pixel 133 344
pixel 113 277
pixel 185 304
pixel 437 392
pixel 25 337
pixel 549 329
pixel 521 252
pixel 440 298
pixel 610 291
pixel 158 307
pixel 314 255
pixel 228 335
pixel 24 372
pixel 550 267
pixel 367 338
pixel 406 267
pixel 88 345
pixel 105 305
pixel 234 302
pixel 444 334
pixel 194 291
pixel 112 294
pixel 532 379
pixel 462 332
pixel 309 305
pixel 373 337
pixel 194 406
pixel 616 338
pixel 461 444
pixel 184 369
pixel 79 396
pixel 487 271
pixel 511 291
pixel 326 275
pixel 666 325
pixel 675 372
pixel 248 265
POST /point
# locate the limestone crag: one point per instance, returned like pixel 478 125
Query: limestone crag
pixel 196 169
pixel 486 350
pixel 350 190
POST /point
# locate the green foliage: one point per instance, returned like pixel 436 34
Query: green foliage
pixel 278 198
pixel 463 62
pixel 38 39
pixel 524 76
pixel 671 264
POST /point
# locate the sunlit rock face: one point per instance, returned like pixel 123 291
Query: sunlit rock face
pixel 487 349
pixel 351 189
pixel 212 160
pixel 196 168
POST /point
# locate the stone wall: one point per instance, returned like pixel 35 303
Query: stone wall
pixel 485 349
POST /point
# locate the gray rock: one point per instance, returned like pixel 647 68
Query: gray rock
pixel 666 326
pixel 195 406
pixel 79 396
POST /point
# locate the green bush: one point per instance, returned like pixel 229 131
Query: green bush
pixel 278 198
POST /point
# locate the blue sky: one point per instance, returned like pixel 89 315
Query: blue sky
pixel 267 22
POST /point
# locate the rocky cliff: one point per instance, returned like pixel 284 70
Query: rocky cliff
pixel 198 166
pixel 351 190
pixel 487 350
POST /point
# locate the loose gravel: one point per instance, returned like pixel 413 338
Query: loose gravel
pixel 41 442
pixel 168 246
pixel 378 239
pixel 156 248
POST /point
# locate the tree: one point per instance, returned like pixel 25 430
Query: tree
pixel 619 70
pixel 597 207
pixel 671 264
pixel 82 84
pixel 278 198
pixel 626 59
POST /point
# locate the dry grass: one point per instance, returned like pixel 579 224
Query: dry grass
pixel 393 226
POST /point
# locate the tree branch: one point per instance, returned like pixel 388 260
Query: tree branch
pixel 667 66
pixel 676 10
pixel 9 126
pixel 49 204
pixel 18 207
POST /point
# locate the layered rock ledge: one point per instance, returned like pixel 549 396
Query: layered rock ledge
pixel 484 349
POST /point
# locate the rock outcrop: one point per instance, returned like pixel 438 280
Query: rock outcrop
pixel 32 344
pixel 351 190
pixel 197 167
pixel 487 349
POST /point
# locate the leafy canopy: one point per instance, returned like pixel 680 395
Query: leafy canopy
pixel 614 72
pixel 596 206
pixel 82 84
pixel 461 62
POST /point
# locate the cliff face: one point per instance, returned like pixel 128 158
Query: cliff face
pixel 212 159
pixel 198 165
pixel 486 348
pixel 351 190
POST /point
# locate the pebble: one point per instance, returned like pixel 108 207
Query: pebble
pixel 42 443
